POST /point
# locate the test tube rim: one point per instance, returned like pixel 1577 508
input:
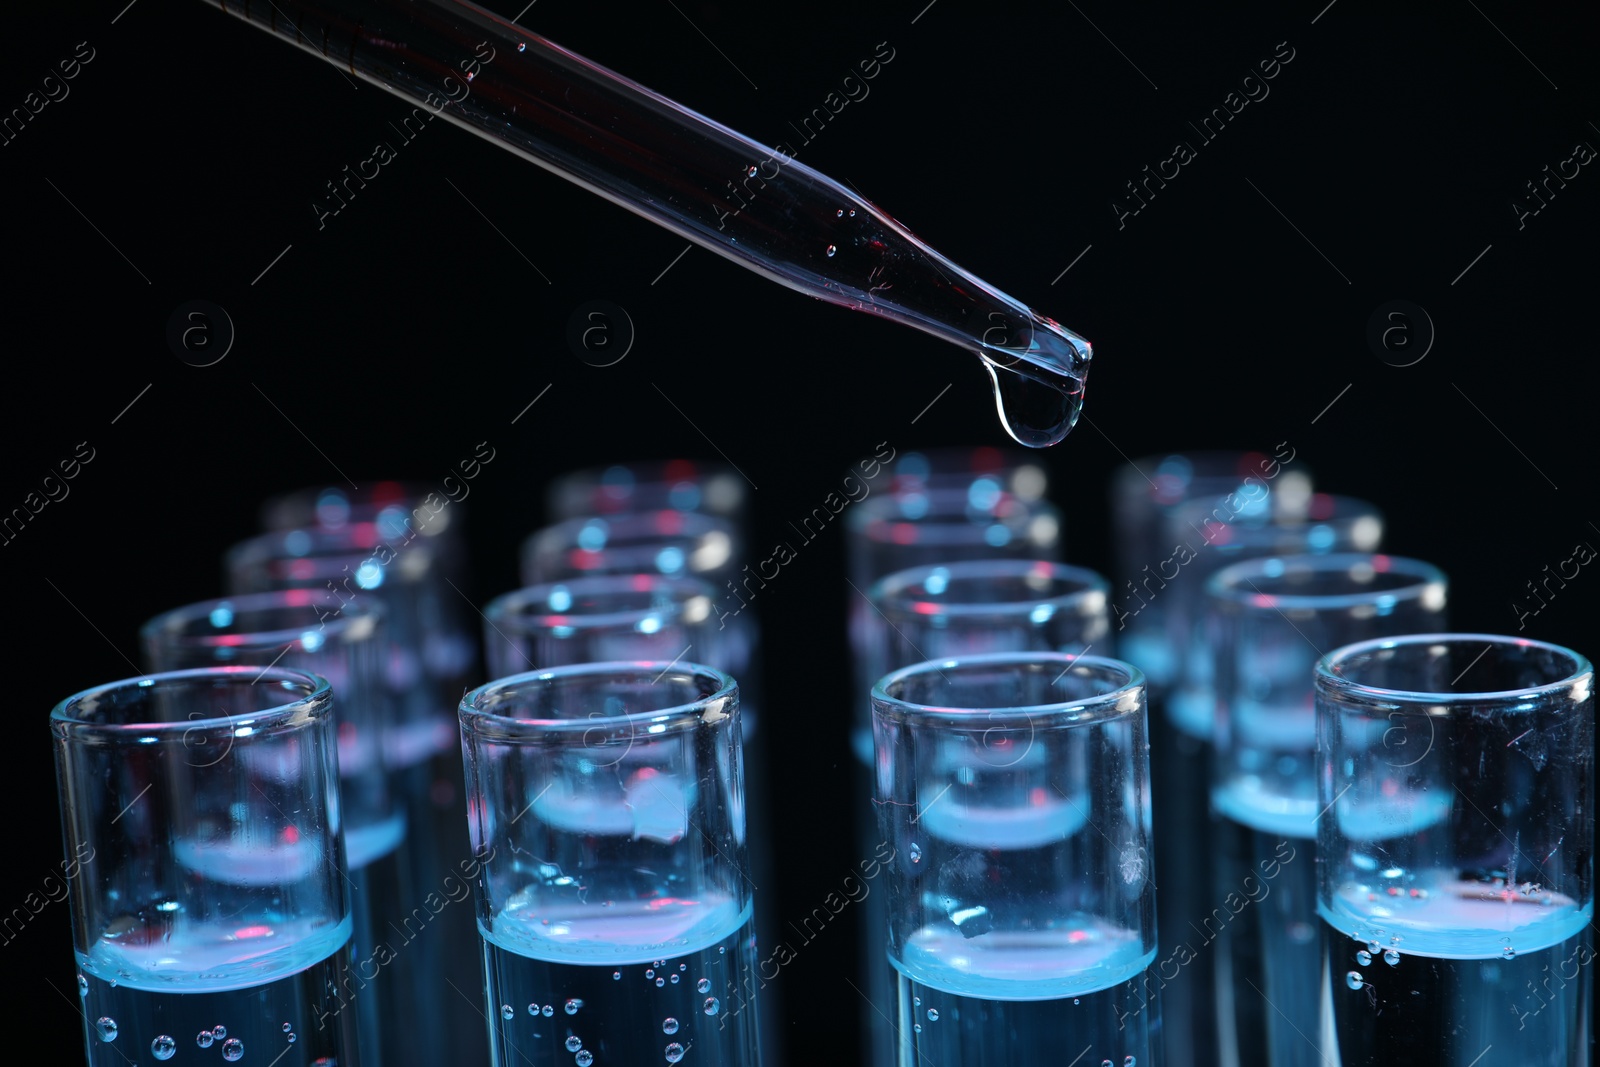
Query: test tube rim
pixel 722 703
pixel 503 610
pixel 345 545
pixel 315 703
pixel 1220 586
pixel 360 615
pixel 1127 700
pixel 549 540
pixel 868 520
pixel 890 594
pixel 1343 689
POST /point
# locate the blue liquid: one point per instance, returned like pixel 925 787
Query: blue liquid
pixel 375 887
pixel 156 999
pixel 637 985
pixel 1268 947
pixel 1027 999
pixel 1434 1007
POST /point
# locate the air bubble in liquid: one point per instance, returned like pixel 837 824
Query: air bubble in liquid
pixel 1364 957
pixel 704 985
pixel 573 1005
pixel 574 1043
pixel 669 1026
pixel 583 1058
pixel 713 1005
pixel 1105 1063
pixel 674 979
pixel 547 1011
pixel 287 1027
pixel 1130 1061
pixel 674 1052
pixel 507 1012
pixel 522 46
pixel 650 973
pixel 106 1026
pixel 219 1031
pixel 616 976
pixel 1373 947
pixel 683 966
pixel 1354 980
pixel 1508 952
pixel 933 1015
pixel 1391 957
pixel 916 853
pixel 831 250
pixel 233 1050
pixel 293 1038
pixel 533 1009
pixel 83 986
pixel 204 1039
pixel 660 982
pixel 917 1028
pixel 163 1047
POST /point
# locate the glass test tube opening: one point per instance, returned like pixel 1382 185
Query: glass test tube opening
pixel 1014 789
pixel 1458 774
pixel 605 806
pixel 672 485
pixel 202 807
pixel 678 544
pixel 1269 620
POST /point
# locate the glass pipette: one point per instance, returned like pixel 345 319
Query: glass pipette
pixel 753 204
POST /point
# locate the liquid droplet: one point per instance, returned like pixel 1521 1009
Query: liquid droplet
pixel 583 1058
pixel 916 853
pixel 204 1039
pixel 83 986
pixel 547 1011
pixel 1354 980
pixel 163 1047
pixel 506 1012
pixel 1364 958
pixel 233 1050
pixel 574 1043
pixel 674 1052
pixel 669 1026
pixel 573 1005
pixel 704 985
pixel 1037 407
pixel 1391 957
pixel 832 249
pixel 933 1015
pixel 219 1031
pixel 713 1005
pixel 107 1028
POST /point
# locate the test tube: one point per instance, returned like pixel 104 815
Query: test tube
pixel 1271 619
pixel 425 676
pixel 676 544
pixel 715 489
pixel 1457 852
pixel 1143 493
pixel 1207 534
pixel 1012 793
pixel 209 904
pixel 613 897
pixel 345 644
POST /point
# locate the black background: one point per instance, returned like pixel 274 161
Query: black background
pixel 191 147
